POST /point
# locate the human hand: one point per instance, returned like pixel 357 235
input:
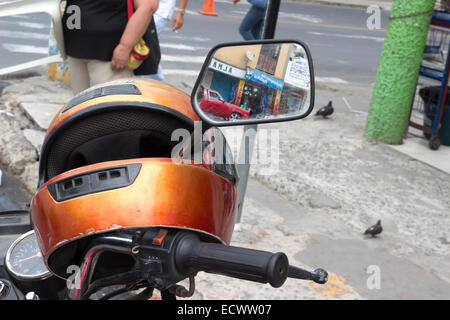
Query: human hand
pixel 121 54
pixel 178 21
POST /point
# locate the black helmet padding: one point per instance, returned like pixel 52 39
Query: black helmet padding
pixel 110 132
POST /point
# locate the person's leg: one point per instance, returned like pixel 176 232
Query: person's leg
pixel 79 75
pixel 101 71
pixel 251 19
pixel 159 75
pixel 244 28
pixel 160 23
pixel 257 29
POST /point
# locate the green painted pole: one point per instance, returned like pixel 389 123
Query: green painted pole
pixel 398 70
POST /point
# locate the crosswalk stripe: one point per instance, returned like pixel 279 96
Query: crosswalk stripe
pixel 19 16
pixel 361 37
pixel 298 16
pixel 33 25
pixel 181 72
pixel 24 35
pixel 182 58
pixel 178 46
pixel 21 48
pixel 185 38
pixel 25 24
pixel 330 80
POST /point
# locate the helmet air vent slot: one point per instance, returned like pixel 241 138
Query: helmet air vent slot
pixel 94 181
pixel 102 92
pixel 115 174
pixel 102 176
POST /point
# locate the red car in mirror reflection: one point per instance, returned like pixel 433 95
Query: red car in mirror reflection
pixel 212 102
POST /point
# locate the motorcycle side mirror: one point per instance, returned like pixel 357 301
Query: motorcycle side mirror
pixel 264 81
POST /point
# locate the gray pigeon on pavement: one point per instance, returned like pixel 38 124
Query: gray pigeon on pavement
pixel 374 230
pixel 326 111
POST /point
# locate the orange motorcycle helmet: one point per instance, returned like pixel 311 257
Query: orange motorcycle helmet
pixel 106 165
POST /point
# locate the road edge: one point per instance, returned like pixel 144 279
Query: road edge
pixel 384 6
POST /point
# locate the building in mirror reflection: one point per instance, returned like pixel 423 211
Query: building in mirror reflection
pixel 267 80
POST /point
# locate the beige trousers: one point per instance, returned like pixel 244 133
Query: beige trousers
pixel 85 73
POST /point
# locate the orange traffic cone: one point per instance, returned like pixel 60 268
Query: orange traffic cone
pixel 208 8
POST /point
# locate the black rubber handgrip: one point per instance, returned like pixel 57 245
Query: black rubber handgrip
pixel 254 265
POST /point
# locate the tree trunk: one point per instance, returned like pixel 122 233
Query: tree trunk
pixel 398 70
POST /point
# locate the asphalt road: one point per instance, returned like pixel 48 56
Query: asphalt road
pixel 342 46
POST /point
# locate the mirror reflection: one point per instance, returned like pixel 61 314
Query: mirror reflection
pixel 258 81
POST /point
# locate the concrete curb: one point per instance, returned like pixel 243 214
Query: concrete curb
pixel 28 106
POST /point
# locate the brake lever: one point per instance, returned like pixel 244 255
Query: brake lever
pixel 319 276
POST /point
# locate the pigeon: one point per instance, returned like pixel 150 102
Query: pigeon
pixel 326 111
pixel 374 230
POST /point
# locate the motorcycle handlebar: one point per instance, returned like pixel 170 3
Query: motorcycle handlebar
pixel 165 258
pixel 242 263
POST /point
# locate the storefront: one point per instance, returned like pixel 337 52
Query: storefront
pixel 297 87
pixel 292 99
pixel 250 88
pixel 225 79
pixel 260 92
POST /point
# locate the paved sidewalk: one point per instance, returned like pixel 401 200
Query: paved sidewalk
pixel 329 187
